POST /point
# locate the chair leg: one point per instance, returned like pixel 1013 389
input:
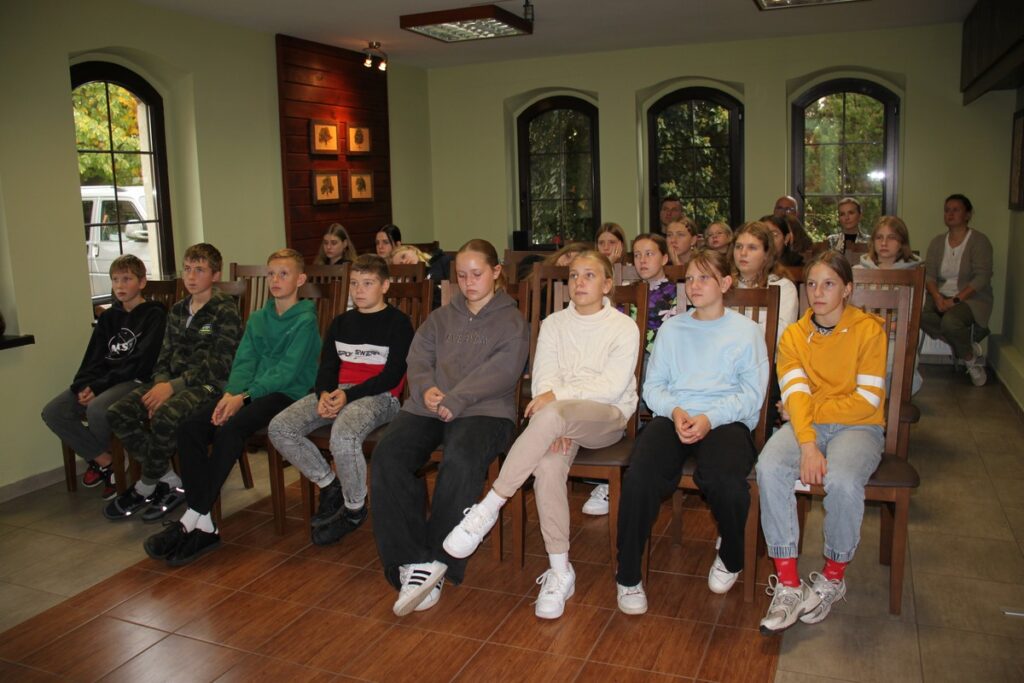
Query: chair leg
pixel 243 465
pixel 497 533
pixel 614 496
pixel 308 499
pixel 518 502
pixel 675 530
pixel 750 534
pixel 275 465
pixel 70 467
pixel 803 506
pixel 899 551
pixel 885 534
pixel 120 474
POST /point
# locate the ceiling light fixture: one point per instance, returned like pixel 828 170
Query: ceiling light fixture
pixel 790 4
pixel 470 23
pixel 372 51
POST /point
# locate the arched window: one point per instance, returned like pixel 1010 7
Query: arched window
pixel 845 135
pixel 695 153
pixel 122 166
pixel 559 192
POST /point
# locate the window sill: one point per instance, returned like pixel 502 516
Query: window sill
pixel 9 341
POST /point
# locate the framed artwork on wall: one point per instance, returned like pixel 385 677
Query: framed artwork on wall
pixel 360 186
pixel 359 140
pixel 1017 163
pixel 323 137
pixel 326 187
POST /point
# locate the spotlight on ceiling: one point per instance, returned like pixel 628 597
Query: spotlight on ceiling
pixel 372 51
pixel 479 22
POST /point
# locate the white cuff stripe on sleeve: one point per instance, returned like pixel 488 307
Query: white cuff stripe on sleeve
pixel 871 381
pixel 796 388
pixel 873 399
pixel 791 375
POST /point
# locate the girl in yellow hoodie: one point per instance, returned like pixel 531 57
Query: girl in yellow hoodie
pixel 831 369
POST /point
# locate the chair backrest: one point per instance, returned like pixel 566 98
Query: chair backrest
pixel 626 297
pixel 167 292
pixel 240 290
pixel 624 273
pixel 329 299
pixel 415 272
pixel 543 298
pixel 256 290
pixel 321 273
pixel 510 263
pixel 751 302
pixel 412 298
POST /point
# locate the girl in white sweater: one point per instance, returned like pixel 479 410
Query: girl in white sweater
pixel 584 391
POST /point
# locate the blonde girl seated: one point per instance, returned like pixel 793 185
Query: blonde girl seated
pixel 718 236
pixel 611 242
pixel 336 247
pixel 584 390
pixel 705 386
pixel 408 254
pixel 566 254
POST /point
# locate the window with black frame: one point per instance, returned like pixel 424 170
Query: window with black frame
pixel 559 191
pixel 844 144
pixel 695 153
pixel 119 137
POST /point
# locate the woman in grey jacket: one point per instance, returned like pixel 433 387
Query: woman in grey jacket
pixel 958 276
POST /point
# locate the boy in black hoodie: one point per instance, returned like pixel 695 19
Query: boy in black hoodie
pixel 121 353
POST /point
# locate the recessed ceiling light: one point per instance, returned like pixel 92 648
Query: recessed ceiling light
pixel 789 4
pixel 469 23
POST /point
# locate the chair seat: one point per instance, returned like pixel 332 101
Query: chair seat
pixel 615 455
pixel 895 472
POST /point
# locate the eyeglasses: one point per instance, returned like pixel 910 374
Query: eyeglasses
pixel 785 209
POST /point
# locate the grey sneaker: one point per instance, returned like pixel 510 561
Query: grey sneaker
pixel 788 605
pixel 829 591
pixel 976 370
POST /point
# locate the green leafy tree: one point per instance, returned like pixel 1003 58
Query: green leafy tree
pixel 105 142
pixel 561 177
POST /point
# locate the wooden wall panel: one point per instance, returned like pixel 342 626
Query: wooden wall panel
pixel 317 81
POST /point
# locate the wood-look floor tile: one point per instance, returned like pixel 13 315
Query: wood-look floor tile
pixel 20 603
pixel 358 549
pixel 573 634
pixel 232 565
pixel 367 594
pixel 294 539
pixel 243 621
pixel 23 674
pixel 303 580
pixel 115 590
pixel 467 612
pixel 684 597
pixel 506 576
pixel 257 669
pixel 242 522
pixel 692 557
pixel 672 646
pixel 30 635
pixel 602 673
pixel 176 660
pixel 595 584
pixel 324 640
pixel 89 653
pixel 740 656
pixel 438 657
pixel 508 664
pixel 739 614
pixel 591 545
pixel 171 603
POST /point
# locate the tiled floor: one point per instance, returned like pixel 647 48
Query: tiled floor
pixel 274 608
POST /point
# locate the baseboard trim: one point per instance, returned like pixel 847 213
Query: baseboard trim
pixel 38 481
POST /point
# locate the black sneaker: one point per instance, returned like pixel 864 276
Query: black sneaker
pixel 109 486
pixel 332 502
pixel 126 504
pixel 159 546
pixel 165 499
pixel 332 532
pixel 195 544
pixel 94 474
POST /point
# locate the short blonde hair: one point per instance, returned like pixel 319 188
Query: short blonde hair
pixel 289 255
pixel 896 224
pixel 602 260
pixel 412 249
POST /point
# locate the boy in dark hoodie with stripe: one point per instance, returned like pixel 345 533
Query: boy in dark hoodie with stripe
pixel 121 353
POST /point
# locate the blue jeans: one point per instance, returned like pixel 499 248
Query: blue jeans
pixel 852 453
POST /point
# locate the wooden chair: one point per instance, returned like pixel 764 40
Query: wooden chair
pixel 413 299
pixel 598 463
pixel 415 272
pixel 320 274
pixel 512 259
pixel 426 247
pixel 751 303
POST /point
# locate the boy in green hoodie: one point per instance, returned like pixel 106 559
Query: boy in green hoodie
pixel 275 365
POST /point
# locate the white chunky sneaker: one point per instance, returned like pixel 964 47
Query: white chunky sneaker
pixel 418 580
pixel 597 504
pixel 464 539
pixel 788 605
pixel 632 599
pixel 720 579
pixel 555 588
pixel 829 591
pixel 432 597
pixel 976 370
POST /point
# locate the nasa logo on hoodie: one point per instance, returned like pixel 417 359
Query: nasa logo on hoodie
pixel 121 344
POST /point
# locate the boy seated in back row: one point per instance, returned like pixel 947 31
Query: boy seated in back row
pixel 121 353
pixel 362 372
pixel 203 330
pixel 274 366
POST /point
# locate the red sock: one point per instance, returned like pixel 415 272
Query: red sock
pixel 785 568
pixel 834 571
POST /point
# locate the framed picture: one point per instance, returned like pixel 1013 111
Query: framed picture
pixel 1017 163
pixel 323 137
pixel 358 140
pixel 326 187
pixel 360 186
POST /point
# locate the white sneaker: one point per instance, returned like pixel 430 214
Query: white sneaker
pixel 418 580
pixel 976 370
pixel 978 351
pixel 720 579
pixel 632 599
pixel 555 588
pixel 829 591
pixel 463 540
pixel 432 597
pixel 597 504
pixel 788 605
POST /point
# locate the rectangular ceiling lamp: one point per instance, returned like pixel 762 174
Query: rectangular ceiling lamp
pixel 467 23
pixel 788 4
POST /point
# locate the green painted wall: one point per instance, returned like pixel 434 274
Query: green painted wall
pixel 221 88
pixel 412 202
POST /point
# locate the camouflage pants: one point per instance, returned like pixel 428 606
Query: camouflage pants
pixel 152 442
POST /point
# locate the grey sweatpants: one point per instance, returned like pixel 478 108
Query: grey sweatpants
pixel 356 420
pixel 64 415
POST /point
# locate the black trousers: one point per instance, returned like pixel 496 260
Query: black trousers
pixel 404 532
pixel 724 459
pixel 203 469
